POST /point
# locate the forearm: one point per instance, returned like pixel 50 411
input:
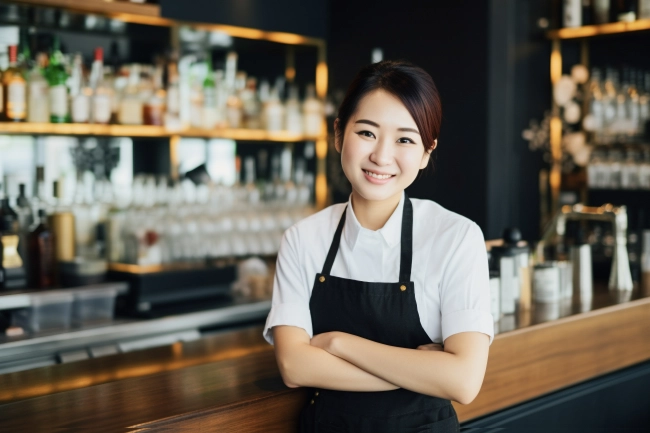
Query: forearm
pixel 314 367
pixel 435 373
pixel 302 364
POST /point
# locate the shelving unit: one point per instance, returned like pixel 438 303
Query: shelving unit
pixel 583 34
pixel 599 30
pixel 82 129
pixel 151 14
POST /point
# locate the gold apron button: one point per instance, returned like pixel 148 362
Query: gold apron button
pixel 321 279
pixel 402 287
pixel 312 402
pixel 316 394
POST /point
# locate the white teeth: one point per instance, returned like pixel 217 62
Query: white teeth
pixel 377 176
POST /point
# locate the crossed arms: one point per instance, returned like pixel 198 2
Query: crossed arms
pixel 345 362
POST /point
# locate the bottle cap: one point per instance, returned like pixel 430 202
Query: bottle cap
pixel 99 54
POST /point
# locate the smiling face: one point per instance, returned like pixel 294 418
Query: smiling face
pixel 382 150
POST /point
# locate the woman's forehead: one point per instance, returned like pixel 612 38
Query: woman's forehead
pixel 383 108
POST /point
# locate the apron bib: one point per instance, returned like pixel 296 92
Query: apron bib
pixel 385 313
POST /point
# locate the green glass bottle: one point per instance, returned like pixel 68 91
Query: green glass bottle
pixel 57 77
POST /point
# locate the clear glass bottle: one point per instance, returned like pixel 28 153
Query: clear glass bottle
pixel 38 107
pixel 294 120
pixel 274 112
pixel 154 108
pixel 313 112
pixel 644 171
pixel 101 111
pixel 79 97
pixel 630 171
pixel 131 107
pixel 14 89
pixel 210 109
pixel 173 114
pixel 251 105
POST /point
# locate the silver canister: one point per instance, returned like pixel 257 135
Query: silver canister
pixel 582 273
pixel 495 298
pixel 566 279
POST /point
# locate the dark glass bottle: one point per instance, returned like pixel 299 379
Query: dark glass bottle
pixel 12 270
pixel 41 253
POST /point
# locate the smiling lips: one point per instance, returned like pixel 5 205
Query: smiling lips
pixel 377 178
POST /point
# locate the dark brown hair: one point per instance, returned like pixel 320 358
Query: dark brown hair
pixel 408 83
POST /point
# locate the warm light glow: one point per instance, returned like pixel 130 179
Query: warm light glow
pixel 321 79
pixel 556 62
pixel 600 29
pixel 556 138
pixel 290 74
pixel 321 191
pixel 173 156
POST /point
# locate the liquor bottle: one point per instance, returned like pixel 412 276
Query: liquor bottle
pixel 62 223
pixel 209 111
pixel 57 78
pixel 644 9
pixel 154 108
pixel 131 107
pixel 173 114
pixel 41 253
pixel 15 89
pixel 38 107
pixel 274 112
pixel 294 121
pixel 313 112
pixel 12 270
pixel 251 105
pixel 572 13
pixel 234 109
pixel 101 106
pixel 601 11
pixel 79 98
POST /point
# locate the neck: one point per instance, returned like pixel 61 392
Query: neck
pixel 373 214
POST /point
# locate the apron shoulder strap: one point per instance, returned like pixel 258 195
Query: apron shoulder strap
pixel 334 247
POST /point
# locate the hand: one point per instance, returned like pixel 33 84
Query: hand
pixel 432 346
pixel 325 340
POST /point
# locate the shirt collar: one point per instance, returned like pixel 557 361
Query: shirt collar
pixel 391 232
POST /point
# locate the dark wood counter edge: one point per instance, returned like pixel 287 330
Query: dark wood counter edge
pixel 523 364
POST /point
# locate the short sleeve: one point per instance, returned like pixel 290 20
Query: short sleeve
pixel 290 302
pixel 465 287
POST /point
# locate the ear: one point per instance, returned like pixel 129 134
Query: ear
pixel 337 145
pixel 427 155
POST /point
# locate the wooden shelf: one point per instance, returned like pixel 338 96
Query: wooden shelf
pixel 150 14
pixel 599 30
pixel 79 129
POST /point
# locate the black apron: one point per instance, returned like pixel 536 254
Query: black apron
pixel 381 312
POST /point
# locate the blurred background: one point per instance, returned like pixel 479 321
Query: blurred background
pixel 152 153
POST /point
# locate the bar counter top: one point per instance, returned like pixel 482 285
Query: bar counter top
pixel 230 382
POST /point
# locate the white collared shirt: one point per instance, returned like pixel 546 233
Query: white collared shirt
pixel 450 266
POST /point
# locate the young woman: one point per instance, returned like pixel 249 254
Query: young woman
pixel 381 305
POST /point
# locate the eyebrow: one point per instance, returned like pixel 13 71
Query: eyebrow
pixel 376 125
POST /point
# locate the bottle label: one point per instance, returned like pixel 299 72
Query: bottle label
pixel 10 256
pixel 59 101
pixel 16 100
pixel 102 109
pixel 80 109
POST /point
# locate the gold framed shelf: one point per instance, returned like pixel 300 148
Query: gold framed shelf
pixel 82 129
pixel 150 14
pixel 599 30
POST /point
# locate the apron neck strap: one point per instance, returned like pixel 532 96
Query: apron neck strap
pixel 406 243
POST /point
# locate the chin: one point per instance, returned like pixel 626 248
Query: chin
pixel 377 193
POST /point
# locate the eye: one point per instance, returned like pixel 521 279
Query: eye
pixel 365 133
pixel 405 140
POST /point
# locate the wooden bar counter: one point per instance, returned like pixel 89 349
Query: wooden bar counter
pixel 230 381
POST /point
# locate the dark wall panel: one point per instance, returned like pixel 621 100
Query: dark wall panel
pixel 449 41
pixel 294 16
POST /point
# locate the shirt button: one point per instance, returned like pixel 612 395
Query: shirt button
pixel 402 287
pixel 321 279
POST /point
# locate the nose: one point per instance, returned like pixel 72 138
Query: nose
pixel 382 154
